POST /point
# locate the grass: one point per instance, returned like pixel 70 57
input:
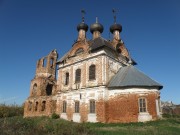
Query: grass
pixel 13 123
pixel 18 125
pixel 167 126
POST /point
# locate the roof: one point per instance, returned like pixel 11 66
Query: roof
pixel 129 76
pixel 99 43
pixel 94 45
pixel 63 57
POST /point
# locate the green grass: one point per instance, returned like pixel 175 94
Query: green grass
pixel 13 123
pixel 47 126
pixel 167 126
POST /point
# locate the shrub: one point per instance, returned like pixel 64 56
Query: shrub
pixel 54 116
pixel 10 110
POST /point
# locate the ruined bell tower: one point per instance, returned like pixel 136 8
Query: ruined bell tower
pixel 43 86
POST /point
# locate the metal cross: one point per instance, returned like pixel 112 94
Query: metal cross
pixel 83 13
pixel 114 12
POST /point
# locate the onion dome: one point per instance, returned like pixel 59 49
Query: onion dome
pixel 115 27
pixel 82 26
pixel 96 27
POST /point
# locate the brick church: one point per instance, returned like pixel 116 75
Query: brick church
pixel 96 81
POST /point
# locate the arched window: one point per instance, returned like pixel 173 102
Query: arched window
pixel 44 62
pixel 51 62
pixel 43 105
pixel 92 106
pixel 35 87
pixel 92 72
pixel 80 50
pixel 76 107
pixel 64 107
pixel 36 106
pixel 78 76
pixel 67 79
pixel 49 89
pixel 142 105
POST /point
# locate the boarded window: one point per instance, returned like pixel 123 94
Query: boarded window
pixel 64 106
pixel 78 76
pixel 92 106
pixel 36 106
pixel 92 72
pixel 43 106
pixel 142 105
pixel 76 107
pixel 67 79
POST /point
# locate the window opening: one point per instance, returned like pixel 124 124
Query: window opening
pixel 64 106
pixel 51 62
pixel 44 62
pixel 78 76
pixel 43 105
pixel 80 50
pixel 92 72
pixel 49 89
pixel 67 79
pixel 92 106
pixel 36 106
pixel 142 105
pixel 77 107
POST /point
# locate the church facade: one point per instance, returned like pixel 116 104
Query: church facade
pixel 97 81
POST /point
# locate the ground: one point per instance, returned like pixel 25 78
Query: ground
pixel 44 125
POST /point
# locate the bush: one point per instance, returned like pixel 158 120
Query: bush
pixel 54 116
pixel 10 110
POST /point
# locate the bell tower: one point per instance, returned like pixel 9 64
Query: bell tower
pixel 44 82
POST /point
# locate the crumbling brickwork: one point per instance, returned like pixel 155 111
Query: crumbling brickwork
pixel 43 88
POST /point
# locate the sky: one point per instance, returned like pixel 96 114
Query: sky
pixel 30 29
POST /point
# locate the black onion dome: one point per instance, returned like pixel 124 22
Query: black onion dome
pixel 96 27
pixel 82 26
pixel 115 27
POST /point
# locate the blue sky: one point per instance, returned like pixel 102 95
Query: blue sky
pixel 30 29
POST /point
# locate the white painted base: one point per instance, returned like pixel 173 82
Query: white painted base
pixel 92 118
pixel 76 117
pixel 144 117
pixel 64 116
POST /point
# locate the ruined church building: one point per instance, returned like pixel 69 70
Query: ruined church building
pixel 97 81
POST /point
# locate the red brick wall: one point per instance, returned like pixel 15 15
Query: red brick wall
pixel 84 112
pixel 124 108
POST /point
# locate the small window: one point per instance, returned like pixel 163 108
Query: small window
pixel 76 106
pixel 142 105
pixel 92 106
pixel 44 62
pixel 78 76
pixel 43 105
pixel 64 106
pixel 92 72
pixel 36 106
pixel 80 50
pixel 67 79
